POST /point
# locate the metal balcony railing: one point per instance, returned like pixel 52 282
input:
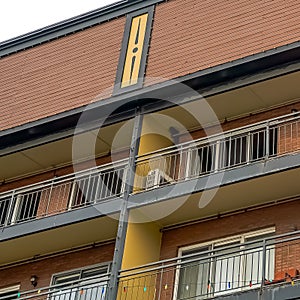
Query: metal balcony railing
pixel 62 193
pixel 203 274
pixel 216 153
pixel 92 288
pixel 219 152
pixel 212 273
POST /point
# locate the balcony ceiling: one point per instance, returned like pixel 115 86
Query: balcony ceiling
pixel 239 102
pixel 59 153
pixel 59 239
pixel 232 197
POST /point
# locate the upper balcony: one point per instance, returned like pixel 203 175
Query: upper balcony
pixel 236 156
pixel 220 152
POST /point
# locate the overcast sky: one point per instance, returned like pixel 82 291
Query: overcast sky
pixel 22 16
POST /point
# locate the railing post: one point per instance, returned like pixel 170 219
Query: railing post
pixel 124 214
pixel 188 170
pixel 267 140
pixel 49 197
pixel 264 264
pixel 10 209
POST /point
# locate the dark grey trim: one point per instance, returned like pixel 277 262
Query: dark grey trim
pixel 59 220
pixel 124 213
pixel 272 292
pixel 121 64
pixel 72 25
pixel 232 176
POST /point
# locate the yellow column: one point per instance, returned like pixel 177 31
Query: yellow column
pixel 143 238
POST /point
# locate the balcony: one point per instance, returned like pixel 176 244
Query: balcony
pixel 61 194
pixel 220 152
pixel 215 155
pixel 92 288
pixel 252 267
pixel 256 266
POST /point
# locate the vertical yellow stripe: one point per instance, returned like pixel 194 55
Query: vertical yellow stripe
pixel 134 50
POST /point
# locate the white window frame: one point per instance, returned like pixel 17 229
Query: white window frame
pixel 80 271
pixel 218 242
pixel 9 289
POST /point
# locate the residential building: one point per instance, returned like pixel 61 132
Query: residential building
pixel 150 150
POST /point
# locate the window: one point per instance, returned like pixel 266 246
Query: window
pixel 90 282
pixel 26 206
pixel 4 209
pixel 247 147
pixel 9 293
pixel 201 160
pixel 94 187
pixel 232 151
pixel 223 266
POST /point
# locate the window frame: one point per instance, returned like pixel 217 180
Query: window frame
pixel 217 242
pixel 10 289
pixel 76 288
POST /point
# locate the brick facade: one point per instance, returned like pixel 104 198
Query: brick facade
pixel 80 68
pixel 251 119
pixel 283 216
pixel 45 268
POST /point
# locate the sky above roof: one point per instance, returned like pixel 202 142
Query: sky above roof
pixel 18 17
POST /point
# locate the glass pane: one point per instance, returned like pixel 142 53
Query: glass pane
pixel 9 295
pixel 227 268
pixel 28 205
pixel 254 261
pixel 64 294
pixel 64 291
pixel 194 276
pixel 4 208
pixel 92 291
pixel 88 288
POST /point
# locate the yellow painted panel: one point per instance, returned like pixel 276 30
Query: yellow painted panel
pixel 142 246
pixel 134 51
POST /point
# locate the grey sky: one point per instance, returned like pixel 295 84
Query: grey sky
pixel 18 17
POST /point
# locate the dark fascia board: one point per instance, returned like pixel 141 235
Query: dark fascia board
pixel 102 209
pixel 268 64
pixel 72 25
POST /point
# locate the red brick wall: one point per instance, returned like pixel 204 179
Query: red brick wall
pixel 273 113
pixel 45 268
pixel 192 35
pixel 60 172
pixel 187 36
pixel 60 75
pixel 283 216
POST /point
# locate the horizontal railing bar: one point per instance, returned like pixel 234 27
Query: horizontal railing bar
pixel 64 178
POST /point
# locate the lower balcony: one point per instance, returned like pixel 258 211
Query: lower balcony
pixel 251 268
pixel 264 266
